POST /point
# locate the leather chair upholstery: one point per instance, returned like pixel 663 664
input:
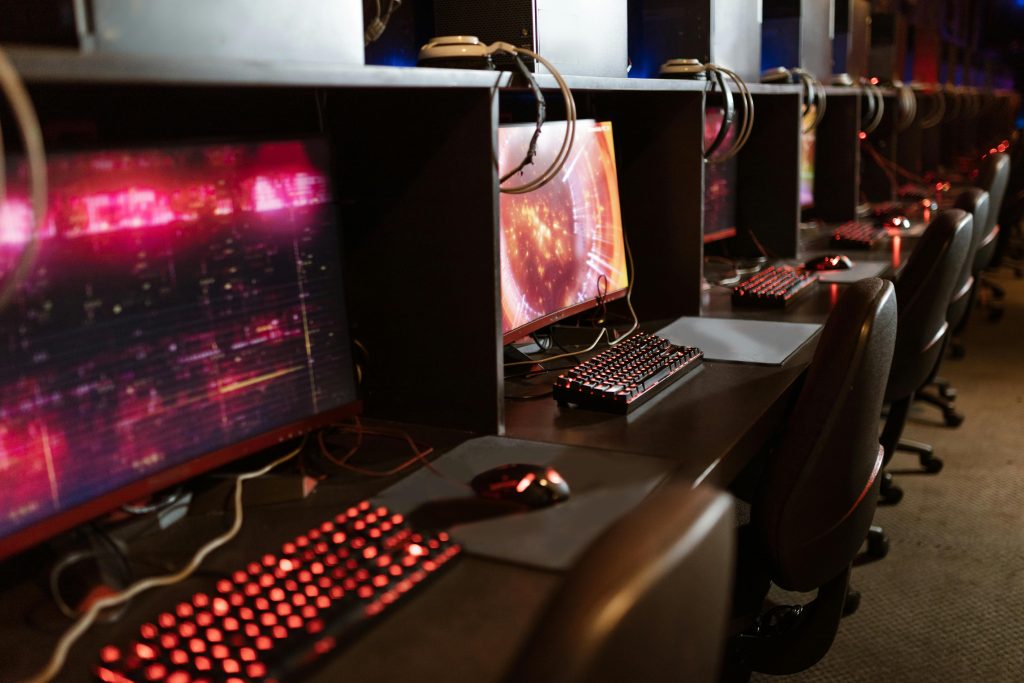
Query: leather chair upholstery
pixel 820 487
pixel 648 601
pixel 924 291
pixel 975 202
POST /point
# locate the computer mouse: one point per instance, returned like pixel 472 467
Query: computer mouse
pixel 897 222
pixel 835 262
pixel 534 486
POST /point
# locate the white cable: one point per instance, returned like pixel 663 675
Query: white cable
pixel 32 138
pixel 570 115
pixel 76 631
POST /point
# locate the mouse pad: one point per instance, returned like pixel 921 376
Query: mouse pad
pixel 760 342
pixel 860 271
pixel 604 486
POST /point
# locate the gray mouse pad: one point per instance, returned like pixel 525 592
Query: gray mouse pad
pixel 604 485
pixel 859 271
pixel 732 340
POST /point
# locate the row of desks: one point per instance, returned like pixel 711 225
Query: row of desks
pixel 470 622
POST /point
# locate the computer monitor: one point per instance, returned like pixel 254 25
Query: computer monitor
pixel 719 182
pixel 807 160
pixel 185 309
pixel 562 246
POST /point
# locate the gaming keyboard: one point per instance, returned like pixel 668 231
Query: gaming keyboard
pixel 275 617
pixel 773 287
pixel 854 235
pixel 626 375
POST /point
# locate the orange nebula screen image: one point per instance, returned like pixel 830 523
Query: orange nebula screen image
pixel 562 246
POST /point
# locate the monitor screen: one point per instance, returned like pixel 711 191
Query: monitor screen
pixel 807 161
pixel 185 309
pixel 719 182
pixel 562 246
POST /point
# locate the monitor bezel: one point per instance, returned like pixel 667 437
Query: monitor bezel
pixel 517 333
pixel 43 530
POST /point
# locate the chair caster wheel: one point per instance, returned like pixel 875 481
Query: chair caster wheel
pixel 852 602
pixel 890 495
pixel 878 544
pixel 931 465
pixel 953 418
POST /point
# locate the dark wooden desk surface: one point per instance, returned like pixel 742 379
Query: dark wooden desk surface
pixel 470 622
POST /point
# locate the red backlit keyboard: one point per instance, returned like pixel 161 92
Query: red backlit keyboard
pixel 854 235
pixel 620 378
pixel 773 287
pixel 280 614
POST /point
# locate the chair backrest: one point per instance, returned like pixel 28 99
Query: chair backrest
pixel 975 202
pixel 820 490
pixel 993 177
pixel 924 290
pixel 648 601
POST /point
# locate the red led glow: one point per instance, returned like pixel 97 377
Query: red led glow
pixel 220 606
pixel 144 651
pixel 156 672
pixel 324 645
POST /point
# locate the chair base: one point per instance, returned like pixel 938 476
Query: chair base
pixel 950 414
pixel 878 542
pixel 889 493
pixel 930 463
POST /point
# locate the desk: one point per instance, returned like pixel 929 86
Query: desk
pixel 469 623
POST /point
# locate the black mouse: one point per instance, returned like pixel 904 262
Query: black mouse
pixel 835 262
pixel 534 486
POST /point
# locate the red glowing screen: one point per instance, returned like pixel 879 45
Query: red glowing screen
pixel 185 308
pixel 719 182
pixel 562 246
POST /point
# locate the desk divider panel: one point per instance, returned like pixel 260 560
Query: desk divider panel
pixel 875 181
pixel 658 143
pixel 910 142
pixel 768 178
pixel 422 251
pixel 837 157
